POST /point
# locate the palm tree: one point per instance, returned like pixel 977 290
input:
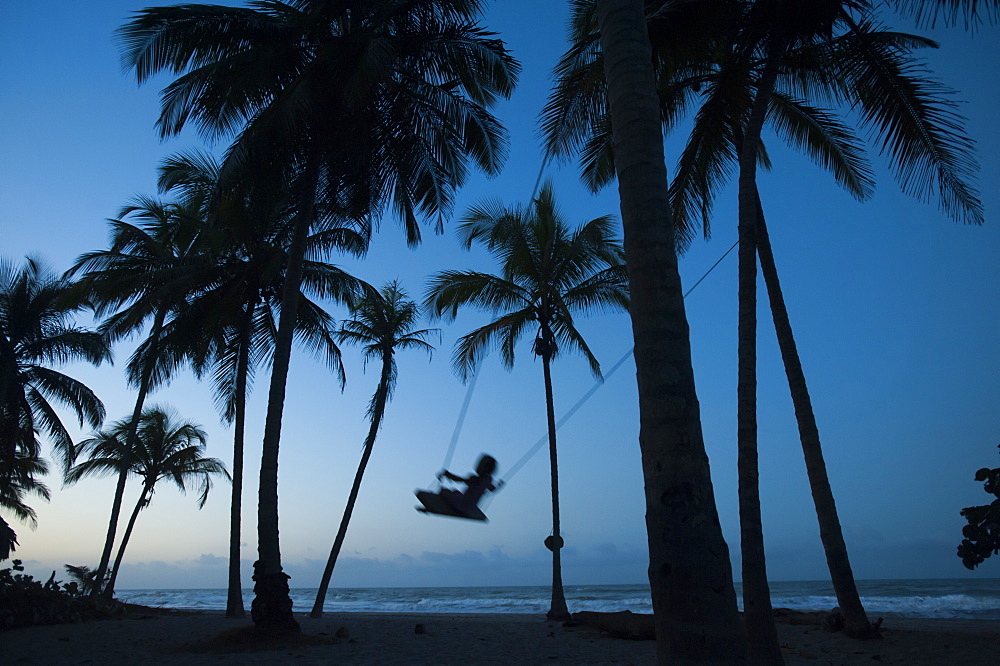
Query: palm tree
pixel 228 328
pixel 363 102
pixel 165 448
pixel 382 323
pixel 870 65
pixel 548 272
pixel 36 332
pixel 145 273
pixel 21 481
pixel 690 574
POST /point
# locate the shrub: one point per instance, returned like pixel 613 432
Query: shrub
pixel 25 601
pixel 982 534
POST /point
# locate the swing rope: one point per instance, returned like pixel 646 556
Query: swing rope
pixel 516 467
pixel 461 422
pixel 472 383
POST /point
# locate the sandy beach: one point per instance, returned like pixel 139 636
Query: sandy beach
pixel 160 637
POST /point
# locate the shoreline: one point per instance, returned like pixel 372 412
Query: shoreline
pixel 163 636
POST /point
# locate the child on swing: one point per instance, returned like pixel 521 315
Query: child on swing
pixel 477 485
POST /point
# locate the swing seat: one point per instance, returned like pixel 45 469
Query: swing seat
pixel 434 503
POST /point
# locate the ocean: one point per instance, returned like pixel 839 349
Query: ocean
pixel 945 598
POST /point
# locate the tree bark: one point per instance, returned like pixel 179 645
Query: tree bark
pixel 856 622
pixel 271 609
pixel 558 611
pixel 689 569
pixel 125 537
pixel 130 442
pixel 762 635
pixel 234 597
pixel 338 542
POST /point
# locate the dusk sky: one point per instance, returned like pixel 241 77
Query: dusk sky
pixel 895 309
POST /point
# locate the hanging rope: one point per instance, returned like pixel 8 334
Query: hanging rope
pixel 461 421
pixel 516 467
pixel 472 383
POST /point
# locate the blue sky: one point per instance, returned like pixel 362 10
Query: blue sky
pixel 894 306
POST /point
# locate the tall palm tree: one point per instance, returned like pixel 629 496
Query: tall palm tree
pixel 382 323
pixel 147 271
pixel 363 102
pixel 548 271
pixel 866 64
pixel 228 328
pixel 36 332
pixel 165 448
pixel 690 574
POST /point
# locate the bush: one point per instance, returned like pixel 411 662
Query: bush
pixel 25 601
pixel 982 534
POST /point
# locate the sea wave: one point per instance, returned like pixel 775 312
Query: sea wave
pixel 979 599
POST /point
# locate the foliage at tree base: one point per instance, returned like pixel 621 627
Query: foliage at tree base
pixel 982 534
pixel 25 601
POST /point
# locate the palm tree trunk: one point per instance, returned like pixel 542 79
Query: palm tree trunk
pixel 558 610
pixel 856 622
pixel 125 538
pixel 130 442
pixel 381 397
pixel 272 606
pixel 234 598
pixel 762 635
pixel 690 573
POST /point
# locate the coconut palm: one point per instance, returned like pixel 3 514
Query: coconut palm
pixel 165 448
pixel 868 65
pixel 146 272
pixel 363 102
pixel 228 328
pixel 689 570
pixel 21 480
pixel 37 332
pixel 548 271
pixel 382 323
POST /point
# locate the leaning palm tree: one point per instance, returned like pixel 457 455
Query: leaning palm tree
pixel 866 64
pixel 145 273
pixel 548 271
pixel 228 328
pixel 382 323
pixel 37 332
pixel 361 102
pixel 165 448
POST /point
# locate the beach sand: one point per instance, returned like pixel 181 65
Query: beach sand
pixel 170 637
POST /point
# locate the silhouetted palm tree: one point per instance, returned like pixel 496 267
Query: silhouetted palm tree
pixel 363 102
pixel 864 64
pixel 689 570
pixel 165 448
pixel 382 323
pixel 149 270
pixel 548 272
pixel 21 480
pixel 228 328
pixel 37 332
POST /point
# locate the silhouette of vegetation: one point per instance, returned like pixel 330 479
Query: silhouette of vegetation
pixel 982 534
pixel 25 601
pixel 382 323
pixel 37 332
pixel 548 272
pixel 362 105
